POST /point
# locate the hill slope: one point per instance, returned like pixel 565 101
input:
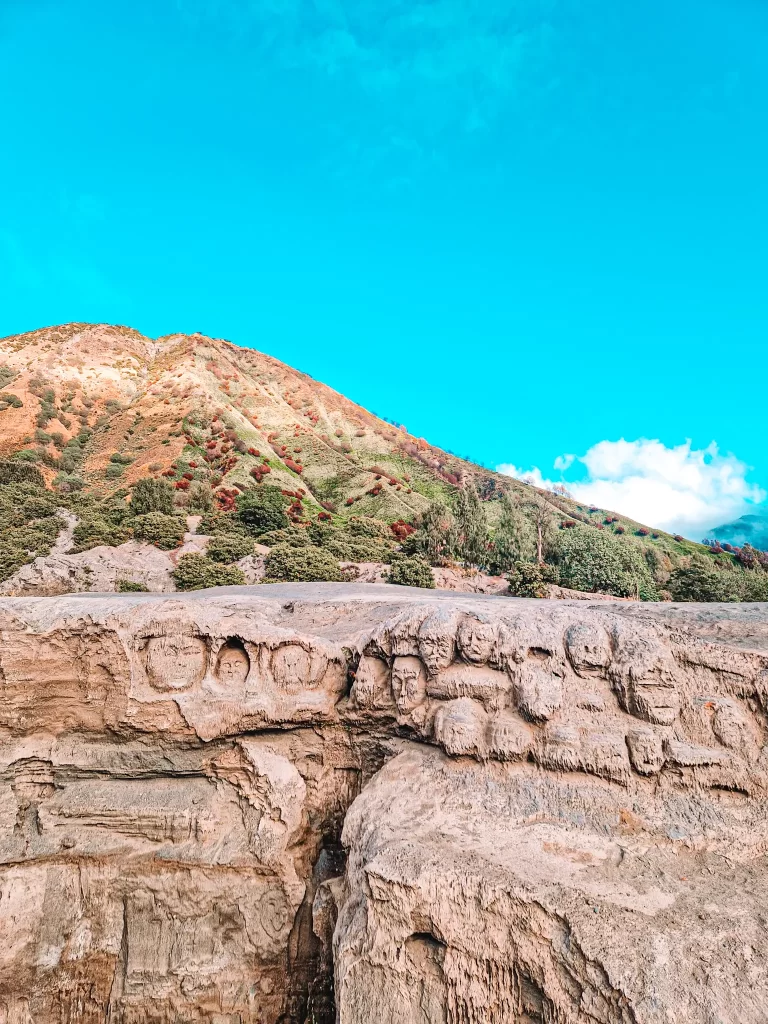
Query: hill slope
pixel 97 407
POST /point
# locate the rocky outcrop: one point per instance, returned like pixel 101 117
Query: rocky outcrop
pixel 288 803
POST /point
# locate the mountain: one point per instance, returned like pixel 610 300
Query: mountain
pixel 750 529
pixel 97 407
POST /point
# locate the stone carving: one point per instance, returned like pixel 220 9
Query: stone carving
pixel 552 812
pixel 461 727
pixel 175 662
pixel 409 683
pixel 588 648
pixel 646 750
pixel 232 666
pixel 487 685
pixel 477 640
pixel 538 692
pixel 372 688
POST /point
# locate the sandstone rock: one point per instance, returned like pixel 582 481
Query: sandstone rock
pixel 376 804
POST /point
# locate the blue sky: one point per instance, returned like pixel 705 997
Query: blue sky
pixel 524 228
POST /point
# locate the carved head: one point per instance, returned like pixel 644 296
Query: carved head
pixel 292 667
pixel 409 683
pixel 371 681
pixel 175 662
pixel 232 666
pixel 460 728
pixel 437 641
pixel 476 640
pixel 588 647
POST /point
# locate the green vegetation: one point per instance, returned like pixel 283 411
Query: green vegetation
pixel 287 563
pixel 262 509
pixel 599 563
pixel 411 571
pixel 229 547
pixel 196 572
pixel 130 587
pixel 531 579
pixel 164 531
pixel 151 495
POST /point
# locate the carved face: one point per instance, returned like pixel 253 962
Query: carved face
pixel 291 667
pixel 175 662
pixel 654 700
pixel 233 666
pixel 588 647
pixel 476 640
pixel 436 650
pixel 409 684
pixel 645 751
pixel 460 727
pixel 370 682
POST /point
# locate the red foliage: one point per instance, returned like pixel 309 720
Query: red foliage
pixel 169 472
pixel 350 501
pixel 254 452
pixel 328 506
pixel 323 517
pixel 678 538
pixel 568 524
pixel 401 529
pixel 211 444
pixel 182 485
pixel 619 529
pixel 193 465
pixel 295 466
pixel 188 476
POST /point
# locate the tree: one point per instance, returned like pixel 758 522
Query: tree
pixel 262 509
pixel 541 517
pixel 435 536
pixel 513 541
pixel 699 582
pixel 471 526
pixel 150 495
pixel 597 562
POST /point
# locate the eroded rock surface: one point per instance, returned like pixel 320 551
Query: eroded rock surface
pixel 457 809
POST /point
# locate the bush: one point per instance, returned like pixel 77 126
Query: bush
pixel 513 541
pixel 220 522
pixel 12 472
pixel 113 471
pixel 599 563
pixel 229 547
pixel 263 510
pixel 413 571
pixel 531 579
pixel 165 532
pixel 199 497
pixel 130 587
pixel 699 582
pixel 95 530
pixel 286 563
pixel 367 526
pixel 151 495
pixel 295 537
pixel 196 572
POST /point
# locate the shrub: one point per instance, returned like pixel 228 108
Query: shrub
pixel 196 572
pixel 367 526
pixel 164 531
pixel 130 587
pixel 530 579
pixel 513 541
pixel 597 562
pixel 262 509
pixel 12 472
pixel 287 563
pixel 95 530
pixel 113 471
pixel 229 547
pixel 412 571
pixel 700 582
pixel 150 495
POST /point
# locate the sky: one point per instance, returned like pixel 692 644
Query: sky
pixel 533 231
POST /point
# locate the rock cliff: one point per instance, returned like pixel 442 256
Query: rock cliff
pixel 376 805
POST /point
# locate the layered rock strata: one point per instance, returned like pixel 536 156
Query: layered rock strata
pixel 380 805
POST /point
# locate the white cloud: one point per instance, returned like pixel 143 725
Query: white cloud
pixel 680 489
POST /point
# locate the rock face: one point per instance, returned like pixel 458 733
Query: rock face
pixel 375 805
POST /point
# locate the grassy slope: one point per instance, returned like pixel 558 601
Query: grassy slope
pixel 188 403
